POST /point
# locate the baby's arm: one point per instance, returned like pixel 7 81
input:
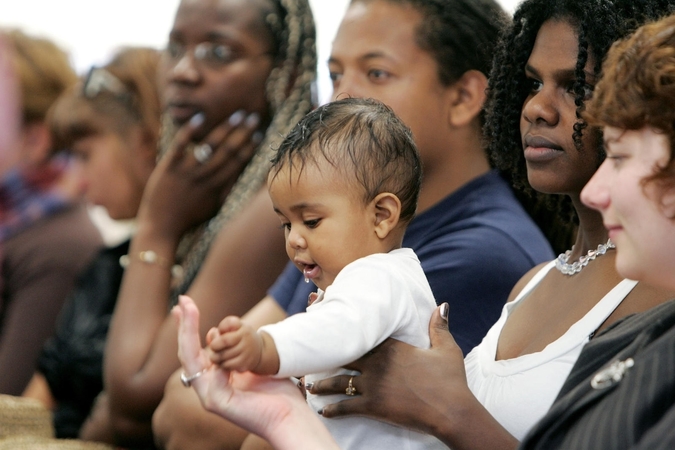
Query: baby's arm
pixel 235 345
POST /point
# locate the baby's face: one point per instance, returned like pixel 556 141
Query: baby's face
pixel 326 223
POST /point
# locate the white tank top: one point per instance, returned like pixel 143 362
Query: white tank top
pixel 519 391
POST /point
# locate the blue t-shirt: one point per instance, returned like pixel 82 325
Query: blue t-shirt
pixel 474 246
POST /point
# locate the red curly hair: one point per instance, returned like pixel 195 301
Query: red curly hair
pixel 637 90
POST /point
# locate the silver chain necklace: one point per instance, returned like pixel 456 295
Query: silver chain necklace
pixel 562 264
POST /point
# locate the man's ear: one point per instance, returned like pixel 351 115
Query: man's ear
pixel 387 209
pixel 467 99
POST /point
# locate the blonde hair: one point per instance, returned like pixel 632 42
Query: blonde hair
pixel 75 115
pixel 43 71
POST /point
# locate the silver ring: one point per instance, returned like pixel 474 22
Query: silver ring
pixel 202 152
pixel 188 379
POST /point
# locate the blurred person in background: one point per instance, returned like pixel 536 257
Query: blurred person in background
pixel 10 109
pixel 46 235
pixel 111 124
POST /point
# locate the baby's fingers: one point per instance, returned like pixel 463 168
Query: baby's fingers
pixel 229 324
pixel 225 341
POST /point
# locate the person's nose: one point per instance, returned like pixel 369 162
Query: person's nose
pixel 185 69
pixel 348 86
pixel 295 239
pixel 541 108
pixel 79 175
pixel 596 192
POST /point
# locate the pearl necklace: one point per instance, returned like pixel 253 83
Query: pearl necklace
pixel 562 264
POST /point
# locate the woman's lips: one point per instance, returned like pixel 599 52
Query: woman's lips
pixel 540 154
pixel 613 231
pixel 182 112
pixel 540 149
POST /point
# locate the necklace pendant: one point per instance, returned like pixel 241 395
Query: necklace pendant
pixel 566 268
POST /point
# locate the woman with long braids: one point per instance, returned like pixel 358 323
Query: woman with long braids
pixel 237 75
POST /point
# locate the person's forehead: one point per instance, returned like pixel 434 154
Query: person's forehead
pixel 382 21
pixel 200 15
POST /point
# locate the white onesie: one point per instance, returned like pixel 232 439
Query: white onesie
pixel 373 298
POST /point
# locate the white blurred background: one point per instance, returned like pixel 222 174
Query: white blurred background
pixel 90 30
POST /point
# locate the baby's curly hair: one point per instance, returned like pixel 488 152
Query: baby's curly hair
pixel 638 90
pixel 598 23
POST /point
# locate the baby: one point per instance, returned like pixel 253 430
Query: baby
pixel 344 184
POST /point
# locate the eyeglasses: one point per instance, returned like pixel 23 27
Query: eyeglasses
pixel 211 54
pixel 100 80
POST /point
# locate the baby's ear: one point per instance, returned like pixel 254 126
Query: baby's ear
pixel 387 208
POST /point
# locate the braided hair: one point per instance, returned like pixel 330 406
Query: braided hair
pixel 598 23
pixel 289 91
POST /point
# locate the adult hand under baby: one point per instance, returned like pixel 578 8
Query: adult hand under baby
pixel 403 384
pixel 190 182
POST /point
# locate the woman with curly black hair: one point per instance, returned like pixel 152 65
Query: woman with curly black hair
pixel 545 68
pixel 598 24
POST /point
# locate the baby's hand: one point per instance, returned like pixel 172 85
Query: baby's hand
pixel 234 345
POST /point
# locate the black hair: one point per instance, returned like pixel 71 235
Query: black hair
pixel 598 23
pixel 365 141
pixel 459 34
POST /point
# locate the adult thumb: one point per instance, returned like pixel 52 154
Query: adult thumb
pixel 438 327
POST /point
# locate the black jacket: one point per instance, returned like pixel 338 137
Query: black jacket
pixel 72 359
pixel 635 409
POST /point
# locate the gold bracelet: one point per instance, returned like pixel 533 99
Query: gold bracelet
pixel 150 257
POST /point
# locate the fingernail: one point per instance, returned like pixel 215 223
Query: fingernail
pixel 445 308
pixel 197 119
pixel 257 137
pixel 309 385
pixel 236 118
pixel 252 120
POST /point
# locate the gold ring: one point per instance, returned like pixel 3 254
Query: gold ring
pixel 351 390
